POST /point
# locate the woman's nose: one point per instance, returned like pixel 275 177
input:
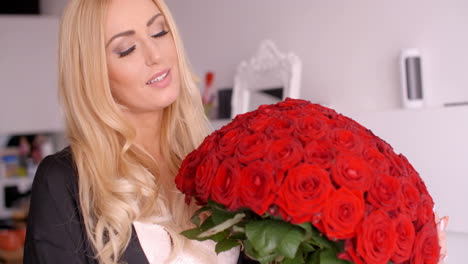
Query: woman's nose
pixel 152 53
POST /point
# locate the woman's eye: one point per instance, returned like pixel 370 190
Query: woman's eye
pixel 125 53
pixel 160 34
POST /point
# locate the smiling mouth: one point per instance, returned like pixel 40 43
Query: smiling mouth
pixel 159 78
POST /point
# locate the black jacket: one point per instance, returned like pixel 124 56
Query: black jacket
pixel 55 231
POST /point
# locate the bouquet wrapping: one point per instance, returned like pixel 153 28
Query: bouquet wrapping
pixel 296 182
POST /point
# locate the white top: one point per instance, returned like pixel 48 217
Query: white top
pixel 156 244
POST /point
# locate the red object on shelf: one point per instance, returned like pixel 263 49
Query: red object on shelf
pixel 11 240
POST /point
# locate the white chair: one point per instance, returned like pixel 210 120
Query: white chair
pixel 268 69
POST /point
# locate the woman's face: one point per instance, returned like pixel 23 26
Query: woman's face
pixel 141 56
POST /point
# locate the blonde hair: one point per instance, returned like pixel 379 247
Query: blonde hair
pixel 119 182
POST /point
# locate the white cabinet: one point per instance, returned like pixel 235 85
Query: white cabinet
pixel 28 74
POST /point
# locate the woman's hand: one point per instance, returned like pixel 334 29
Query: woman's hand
pixel 441 226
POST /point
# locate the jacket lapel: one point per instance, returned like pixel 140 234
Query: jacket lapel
pixel 134 253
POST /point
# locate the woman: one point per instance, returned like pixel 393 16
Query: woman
pixel 132 114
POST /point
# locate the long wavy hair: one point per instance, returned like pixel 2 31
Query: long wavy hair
pixel 118 181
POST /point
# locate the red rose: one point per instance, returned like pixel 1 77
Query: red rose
pixel 284 153
pixel 228 142
pixel 251 147
pixel 311 127
pixel 295 113
pixel 383 146
pixel 404 161
pixel 425 210
pixel 426 248
pixel 376 160
pixel 405 239
pixel 410 200
pixel 376 238
pixel 352 172
pixel 226 183
pixel 349 253
pixel 385 193
pixel 257 186
pixel 281 127
pixel 204 177
pixel 259 124
pixel 304 193
pixel 397 167
pixel 328 112
pixel 418 183
pixel 342 213
pixel 290 103
pixel 346 140
pixel 185 179
pixel 319 153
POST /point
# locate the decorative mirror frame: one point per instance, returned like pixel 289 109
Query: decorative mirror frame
pixel 268 68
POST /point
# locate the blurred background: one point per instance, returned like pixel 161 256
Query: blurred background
pixel 351 54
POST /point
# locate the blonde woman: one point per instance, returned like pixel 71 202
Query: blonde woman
pixel 132 114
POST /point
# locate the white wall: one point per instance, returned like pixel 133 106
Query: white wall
pixel 349 49
pixel 28 74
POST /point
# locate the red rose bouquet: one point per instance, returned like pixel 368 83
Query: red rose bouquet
pixel 295 182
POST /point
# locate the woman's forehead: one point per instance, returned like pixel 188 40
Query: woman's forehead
pixel 129 15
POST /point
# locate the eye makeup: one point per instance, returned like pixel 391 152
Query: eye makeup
pixel 161 26
pixel 126 52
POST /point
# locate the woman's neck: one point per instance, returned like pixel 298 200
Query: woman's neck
pixel 148 128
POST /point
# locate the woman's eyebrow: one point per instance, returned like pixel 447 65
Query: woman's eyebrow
pixel 131 32
pixel 152 19
pixel 121 34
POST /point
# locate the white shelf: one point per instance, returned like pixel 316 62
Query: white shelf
pixel 19 180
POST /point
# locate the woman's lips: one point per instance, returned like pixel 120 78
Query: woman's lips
pixel 161 79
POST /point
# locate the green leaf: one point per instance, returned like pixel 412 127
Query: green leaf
pixel 218 236
pixel 223 226
pixel 306 247
pixel 267 237
pixel 207 224
pixel 238 229
pixel 214 204
pixel 266 259
pixel 307 228
pixel 238 236
pixel 249 250
pixel 195 235
pixel 196 216
pixel 253 254
pixel 220 216
pixel 290 243
pixel 314 258
pixel 225 245
pixel 298 259
pixel 328 256
pixel 320 240
pixel 192 233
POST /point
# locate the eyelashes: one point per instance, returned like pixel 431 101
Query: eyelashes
pixel 125 53
pixel 132 48
pixel 160 34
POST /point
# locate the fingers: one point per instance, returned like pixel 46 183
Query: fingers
pixel 442 226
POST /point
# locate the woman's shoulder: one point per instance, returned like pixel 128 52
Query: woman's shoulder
pixel 57 170
pixel 61 161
